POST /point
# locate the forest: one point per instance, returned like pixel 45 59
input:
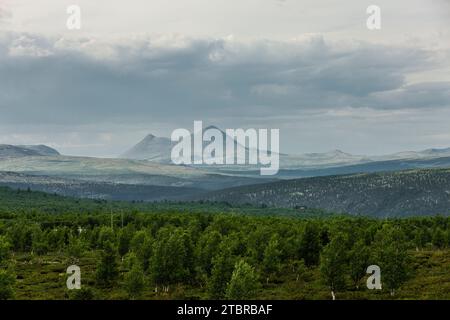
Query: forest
pixel 202 250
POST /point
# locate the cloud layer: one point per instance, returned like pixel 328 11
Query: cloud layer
pixel 61 81
pixel 174 79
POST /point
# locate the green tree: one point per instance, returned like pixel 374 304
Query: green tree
pixel 125 236
pixel 40 242
pixel 438 238
pixel 142 244
pixel 223 264
pixel 106 237
pixel 5 248
pixel 392 257
pixel 107 269
pixel 244 282
pixel 309 247
pixel 358 261
pixel 207 247
pixel 7 282
pixel 272 257
pixel 76 247
pixel 135 281
pixel 333 264
pixel 170 258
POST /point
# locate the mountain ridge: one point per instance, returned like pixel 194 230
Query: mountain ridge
pixel 158 149
pixel 12 151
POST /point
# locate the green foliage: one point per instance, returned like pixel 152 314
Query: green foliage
pixel 358 261
pixel 125 237
pixel 272 256
pixel 7 282
pixel 135 281
pixel 439 238
pixel 106 237
pixel 107 269
pixel 171 259
pixel 76 247
pixel 5 248
pixel 85 293
pixel 333 264
pixel 392 257
pixel 309 247
pixel 194 248
pixel 207 246
pixel 223 265
pixel 244 282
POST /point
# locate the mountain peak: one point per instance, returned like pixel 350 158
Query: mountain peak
pixel 150 148
pixel 149 137
pixel 337 151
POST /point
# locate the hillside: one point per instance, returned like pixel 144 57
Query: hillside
pixel 404 193
pixel 10 151
pixel 121 171
pixel 94 189
pixel 24 201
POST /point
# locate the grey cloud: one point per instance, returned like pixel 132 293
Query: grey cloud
pixel 61 82
pixel 428 94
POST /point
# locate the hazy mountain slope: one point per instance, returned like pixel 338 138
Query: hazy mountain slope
pixel 408 155
pixel 415 192
pixel 368 167
pixel 317 160
pixel 11 151
pixel 150 148
pixel 94 190
pixel 123 171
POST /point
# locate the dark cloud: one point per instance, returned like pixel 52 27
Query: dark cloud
pixel 80 82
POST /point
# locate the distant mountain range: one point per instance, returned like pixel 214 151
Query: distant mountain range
pixel 335 181
pixel 158 149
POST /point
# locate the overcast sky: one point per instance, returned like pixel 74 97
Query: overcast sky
pixel 310 68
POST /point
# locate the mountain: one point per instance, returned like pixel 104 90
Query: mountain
pixel 316 160
pixel 404 193
pixel 158 149
pixel 424 154
pixel 11 151
pixel 150 148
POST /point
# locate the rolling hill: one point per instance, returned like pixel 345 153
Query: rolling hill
pixel 95 189
pixel 404 193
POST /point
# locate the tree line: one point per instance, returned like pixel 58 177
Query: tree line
pixel 227 256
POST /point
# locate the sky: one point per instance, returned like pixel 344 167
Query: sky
pixel 309 68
